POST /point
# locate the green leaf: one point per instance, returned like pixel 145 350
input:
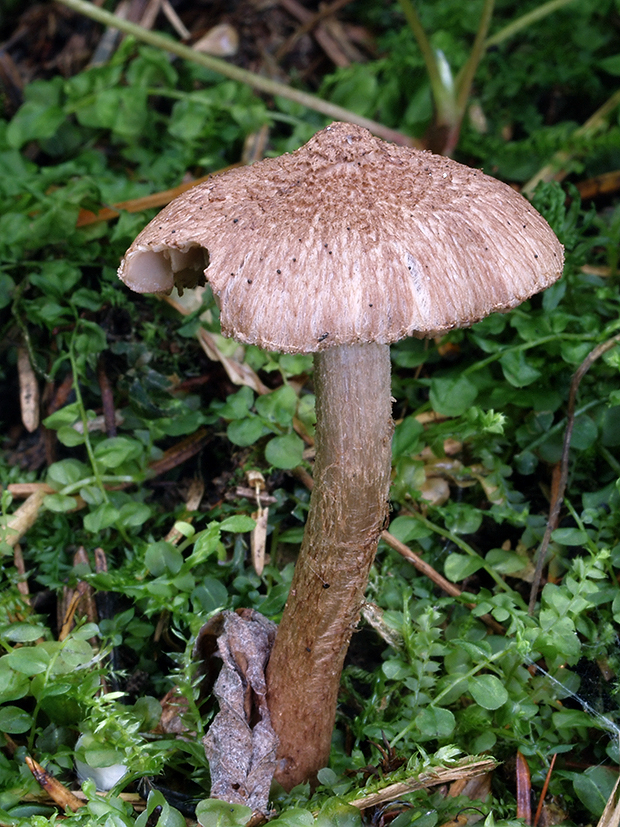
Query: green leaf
pixel 115 451
pixel 59 503
pixel 29 660
pixel 406 438
pixel 294 364
pixel 214 813
pixel 237 405
pixel 459 566
pixel 7 286
pixel 279 406
pixel 134 514
pixel 163 557
pixel 102 517
pixel 294 817
pixel 14 720
pixel 285 451
pixel 487 691
pixel 406 529
pixel 33 122
pixel 569 537
pixel 452 395
pixel 65 416
pixel 239 523
pixel 66 472
pixel 517 370
pixel 462 518
pixel 211 594
pixel 337 813
pixel 70 436
pixel 585 433
pixel 594 787
pixel 610 64
pixel 505 562
pixel 246 431
pixel 435 722
pixel 23 632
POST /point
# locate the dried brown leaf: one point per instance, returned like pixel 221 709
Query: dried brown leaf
pixel 241 744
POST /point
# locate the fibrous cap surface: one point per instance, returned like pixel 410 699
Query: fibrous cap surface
pixel 348 240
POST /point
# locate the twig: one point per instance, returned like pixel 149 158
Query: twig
pixel 180 452
pixel 24 518
pixel 307 26
pixel 107 397
pixel 192 503
pixel 543 792
pixel 57 791
pixel 426 569
pixel 146 202
pixel 18 561
pixel 229 70
pixel 420 564
pixel 554 511
pixel 430 778
pixel 28 391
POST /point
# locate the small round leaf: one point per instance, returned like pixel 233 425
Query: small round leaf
pixel 488 691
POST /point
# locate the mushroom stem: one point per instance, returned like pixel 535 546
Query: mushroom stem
pixel 348 507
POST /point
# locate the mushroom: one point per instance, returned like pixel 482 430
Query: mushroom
pixel 339 249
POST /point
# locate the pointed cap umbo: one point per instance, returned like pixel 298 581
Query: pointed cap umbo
pixel 348 240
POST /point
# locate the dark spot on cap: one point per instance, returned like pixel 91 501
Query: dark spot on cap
pixel 235 220
pixel 249 281
pixel 323 337
pixel 278 271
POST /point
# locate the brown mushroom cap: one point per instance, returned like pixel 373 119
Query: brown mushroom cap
pixel 348 240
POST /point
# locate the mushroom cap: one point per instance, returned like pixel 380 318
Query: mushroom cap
pixel 348 240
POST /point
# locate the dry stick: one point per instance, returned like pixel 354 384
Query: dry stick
pixel 107 397
pixel 229 70
pixel 310 23
pixel 543 792
pixel 145 202
pixel 24 518
pixel 554 511
pixel 18 561
pixel 429 778
pixel 57 791
pixel 28 391
pixel 321 35
pixel 438 580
